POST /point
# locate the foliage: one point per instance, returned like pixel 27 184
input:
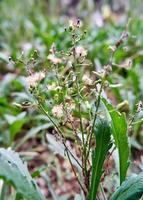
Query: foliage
pixel 103 144
pixel 131 189
pixel 119 130
pixel 16 173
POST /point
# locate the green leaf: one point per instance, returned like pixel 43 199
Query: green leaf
pixel 18 196
pixel 38 171
pixel 103 144
pixel 15 172
pixel 16 123
pixel 131 189
pixel 15 128
pixel 119 130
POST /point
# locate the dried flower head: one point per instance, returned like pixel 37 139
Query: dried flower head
pixel 69 103
pixel 57 111
pixel 53 59
pixel 87 79
pixel 139 106
pixel 74 23
pixel 33 79
pixel 108 69
pixel 80 51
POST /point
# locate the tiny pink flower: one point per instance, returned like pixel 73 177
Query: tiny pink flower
pixel 57 111
pixel 53 59
pixel 33 79
pixel 80 51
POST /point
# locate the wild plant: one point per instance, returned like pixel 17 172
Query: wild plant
pixel 73 95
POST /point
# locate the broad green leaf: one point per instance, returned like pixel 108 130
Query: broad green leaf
pixel 103 144
pixel 119 130
pixel 131 189
pixel 15 172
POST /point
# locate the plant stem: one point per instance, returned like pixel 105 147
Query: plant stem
pixel 59 131
pixel 94 120
pixel 103 192
pixel 79 109
pixel 66 148
pixel 75 173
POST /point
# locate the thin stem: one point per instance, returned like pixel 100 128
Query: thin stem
pixel 78 92
pixel 103 192
pixel 66 149
pixel 79 108
pixel 59 130
pixel 137 122
pixel 51 190
pixel 75 172
pixel 94 120
pixel 97 198
pixel 97 107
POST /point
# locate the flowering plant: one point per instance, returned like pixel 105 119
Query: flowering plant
pixel 74 98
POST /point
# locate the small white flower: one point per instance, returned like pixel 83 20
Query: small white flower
pixel 57 111
pixel 74 23
pixel 80 51
pixel 52 58
pixel 87 80
pixel 33 79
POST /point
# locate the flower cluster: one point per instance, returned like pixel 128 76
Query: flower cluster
pixel 33 79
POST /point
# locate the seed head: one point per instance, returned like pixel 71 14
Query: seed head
pixel 57 111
